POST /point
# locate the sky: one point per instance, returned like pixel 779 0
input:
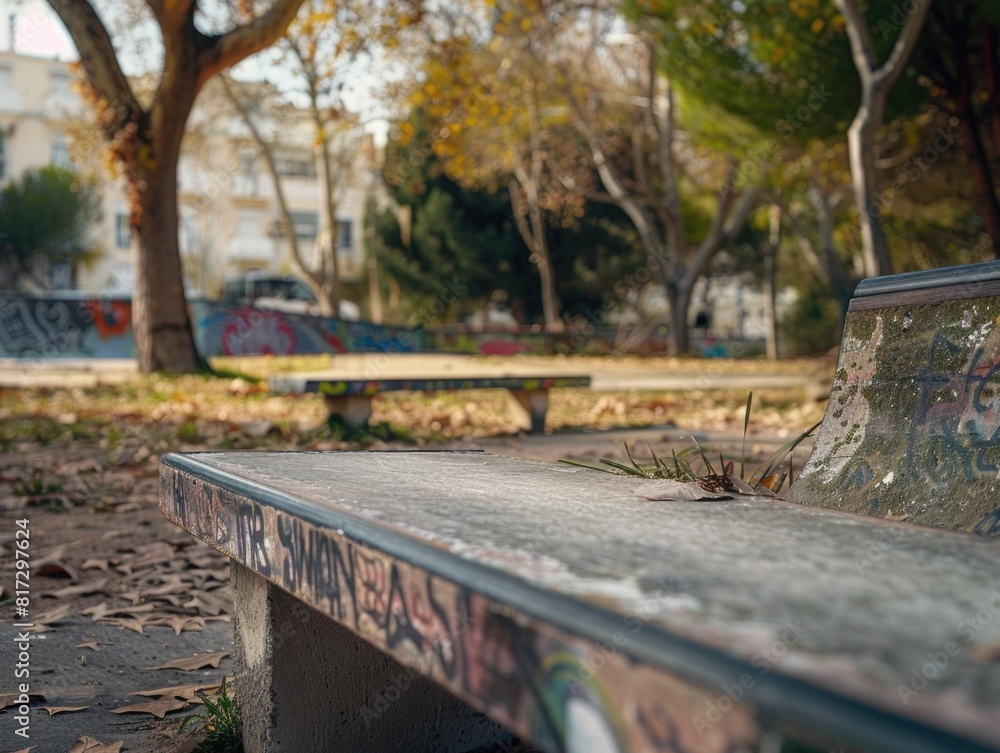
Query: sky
pixel 38 31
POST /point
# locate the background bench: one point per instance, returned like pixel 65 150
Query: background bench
pixel 352 398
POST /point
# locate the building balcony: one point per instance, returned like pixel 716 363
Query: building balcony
pixel 250 249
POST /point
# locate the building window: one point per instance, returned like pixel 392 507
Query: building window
pixel 59 81
pixel 6 79
pixel 344 239
pixel 249 223
pixel 123 231
pixel 4 137
pixel 306 224
pixel 60 152
pixel 295 166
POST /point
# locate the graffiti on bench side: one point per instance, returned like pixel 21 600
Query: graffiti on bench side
pixel 536 679
pixel 913 424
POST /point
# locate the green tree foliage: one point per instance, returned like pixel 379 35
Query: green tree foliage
pixel 463 235
pixel 45 216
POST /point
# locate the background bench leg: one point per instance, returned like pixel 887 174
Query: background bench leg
pixel 530 407
pixel 355 409
pixel 305 684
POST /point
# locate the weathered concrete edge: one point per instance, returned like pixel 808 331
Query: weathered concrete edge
pixel 967 274
pixel 797 702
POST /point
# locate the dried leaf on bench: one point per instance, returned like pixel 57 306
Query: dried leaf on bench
pixel 198 661
pixel 159 708
pixel 681 491
pixel 53 710
pixel 87 744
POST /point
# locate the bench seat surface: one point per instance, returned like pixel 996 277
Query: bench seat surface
pixel 338 386
pixel 832 605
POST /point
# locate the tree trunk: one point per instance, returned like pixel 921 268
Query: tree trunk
pixel 679 298
pixel 331 264
pixel 161 325
pixel 770 268
pixel 861 148
pixel 524 195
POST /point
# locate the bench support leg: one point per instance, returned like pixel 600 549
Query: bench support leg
pixel 530 407
pixel 305 683
pixel 354 409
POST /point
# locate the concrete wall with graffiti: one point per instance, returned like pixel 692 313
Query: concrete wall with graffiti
pixel 222 330
pixel 43 328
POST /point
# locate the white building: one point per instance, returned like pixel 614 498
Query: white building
pixel 229 218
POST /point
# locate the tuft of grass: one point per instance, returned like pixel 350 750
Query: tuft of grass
pixel 220 722
pixel 765 480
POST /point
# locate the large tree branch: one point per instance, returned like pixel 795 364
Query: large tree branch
pixel 170 14
pixel 221 52
pixel 890 71
pixel 862 48
pixel 99 58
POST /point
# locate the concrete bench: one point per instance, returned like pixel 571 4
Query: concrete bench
pixel 351 399
pixel 422 601
pixel 386 601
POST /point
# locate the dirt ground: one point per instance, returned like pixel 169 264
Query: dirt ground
pixel 117 590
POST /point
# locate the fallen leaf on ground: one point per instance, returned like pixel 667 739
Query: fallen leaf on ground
pixel 210 604
pixel 56 570
pixel 95 564
pixel 94 645
pixel 10 699
pixel 53 710
pixel 81 589
pixel 890 516
pixel 183 692
pixel 44 622
pixel 158 708
pixel 102 610
pixel 181 623
pixel 87 744
pixel 198 661
pixel 130 623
